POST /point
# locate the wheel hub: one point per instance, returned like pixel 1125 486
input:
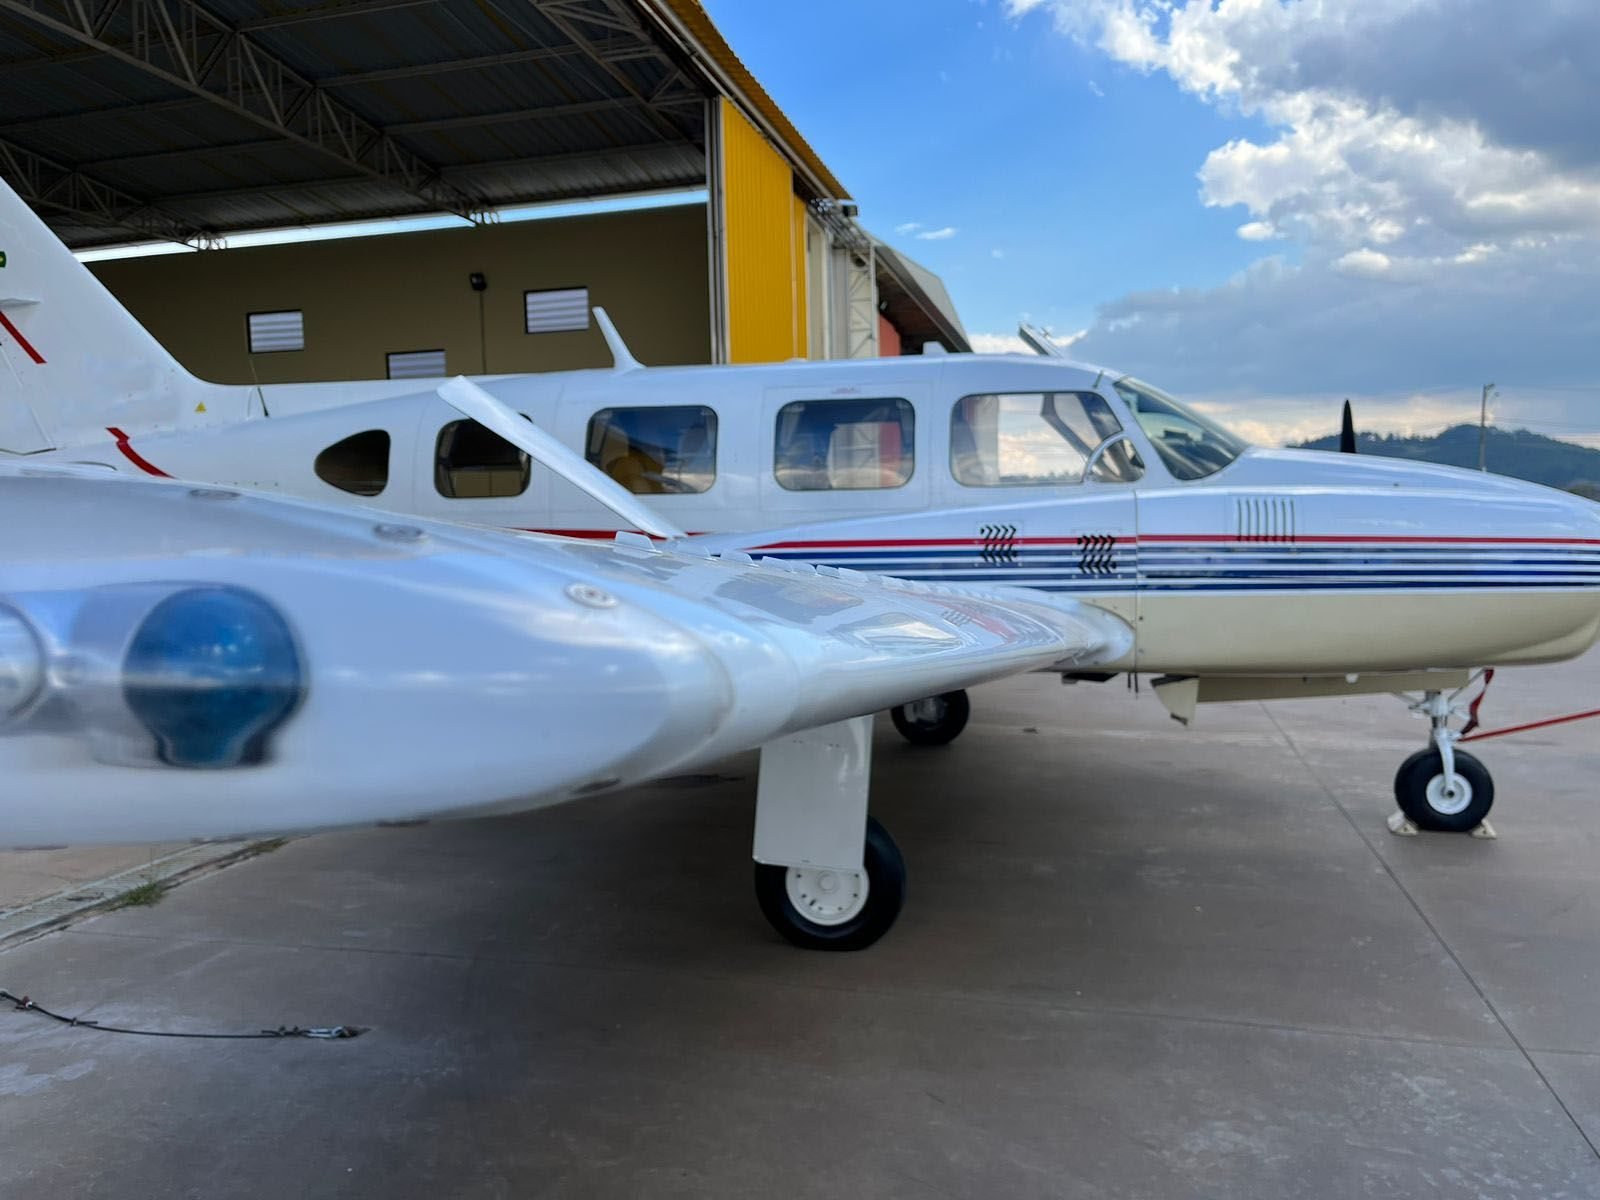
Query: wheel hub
pixel 827 897
pixel 1452 799
pixel 929 711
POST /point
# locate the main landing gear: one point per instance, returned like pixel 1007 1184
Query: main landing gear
pixel 828 876
pixel 936 721
pixel 1441 788
pixel 819 908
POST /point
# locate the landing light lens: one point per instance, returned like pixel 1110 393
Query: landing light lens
pixel 211 672
pixel 21 664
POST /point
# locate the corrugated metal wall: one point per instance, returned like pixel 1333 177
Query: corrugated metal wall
pixel 760 228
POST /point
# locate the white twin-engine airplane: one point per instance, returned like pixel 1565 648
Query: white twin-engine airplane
pixel 1238 572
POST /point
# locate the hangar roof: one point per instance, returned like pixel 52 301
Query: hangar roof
pixel 127 120
pixel 915 300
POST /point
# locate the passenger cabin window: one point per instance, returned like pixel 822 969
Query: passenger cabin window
pixel 1190 445
pixel 655 451
pixel 1025 439
pixel 359 464
pixel 474 463
pixel 834 445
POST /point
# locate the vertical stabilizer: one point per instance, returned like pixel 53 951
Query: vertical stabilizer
pixel 73 360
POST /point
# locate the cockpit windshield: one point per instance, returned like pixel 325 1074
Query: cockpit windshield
pixel 1192 446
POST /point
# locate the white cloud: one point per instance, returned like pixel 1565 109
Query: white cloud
pixel 1010 343
pixel 1096 89
pixel 936 235
pixel 907 227
pixel 1374 264
pixel 998 343
pixel 1432 168
pixel 997 253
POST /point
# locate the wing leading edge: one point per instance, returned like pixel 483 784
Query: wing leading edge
pixel 184 662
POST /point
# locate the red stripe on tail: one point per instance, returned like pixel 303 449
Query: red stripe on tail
pixel 26 345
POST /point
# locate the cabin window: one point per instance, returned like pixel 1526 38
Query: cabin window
pixel 556 310
pixel 474 463
pixel 359 464
pixel 833 445
pixel 1025 439
pixel 655 451
pixel 273 332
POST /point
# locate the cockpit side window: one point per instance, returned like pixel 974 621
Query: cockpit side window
pixel 1191 446
pixel 1024 439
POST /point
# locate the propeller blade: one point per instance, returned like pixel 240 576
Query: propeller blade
pixel 1347 432
pixel 470 400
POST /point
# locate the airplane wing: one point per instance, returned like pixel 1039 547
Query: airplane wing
pixel 186 662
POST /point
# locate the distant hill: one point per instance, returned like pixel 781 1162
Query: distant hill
pixel 1515 452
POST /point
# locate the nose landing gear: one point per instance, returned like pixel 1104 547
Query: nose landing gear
pixel 1441 788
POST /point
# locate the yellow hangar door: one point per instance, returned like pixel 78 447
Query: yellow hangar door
pixel 763 245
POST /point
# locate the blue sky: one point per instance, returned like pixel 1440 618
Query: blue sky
pixel 1266 205
pixel 947 114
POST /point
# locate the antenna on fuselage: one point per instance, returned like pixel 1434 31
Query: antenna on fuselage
pixel 1039 341
pixel 1347 431
pixel 622 358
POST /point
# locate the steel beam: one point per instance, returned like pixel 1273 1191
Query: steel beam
pixel 329 12
pixel 565 16
pixel 549 112
pixel 44 183
pixel 183 44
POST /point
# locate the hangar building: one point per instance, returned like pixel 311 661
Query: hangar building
pixel 189 121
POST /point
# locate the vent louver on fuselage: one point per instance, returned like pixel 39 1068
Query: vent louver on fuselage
pixel 1265 519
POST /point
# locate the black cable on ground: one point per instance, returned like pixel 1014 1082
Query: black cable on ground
pixel 331 1032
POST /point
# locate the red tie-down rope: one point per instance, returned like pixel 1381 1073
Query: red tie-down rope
pixel 1472 717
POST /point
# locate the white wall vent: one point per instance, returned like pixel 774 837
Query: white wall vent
pixel 271 332
pixel 416 364
pixel 559 310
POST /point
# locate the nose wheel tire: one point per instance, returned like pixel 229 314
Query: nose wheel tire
pixel 819 909
pixel 1420 790
pixel 934 721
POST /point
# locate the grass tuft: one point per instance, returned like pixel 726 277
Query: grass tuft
pixel 142 896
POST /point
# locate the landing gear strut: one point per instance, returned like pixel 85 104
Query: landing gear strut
pixel 935 721
pixel 818 880
pixel 1442 788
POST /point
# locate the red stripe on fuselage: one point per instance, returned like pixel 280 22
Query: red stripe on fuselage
pixel 26 345
pixel 133 456
pixel 1207 538
pixel 1152 538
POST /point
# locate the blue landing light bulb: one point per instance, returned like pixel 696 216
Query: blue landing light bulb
pixel 211 672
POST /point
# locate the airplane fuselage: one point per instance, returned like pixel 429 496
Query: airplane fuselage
pixel 1225 559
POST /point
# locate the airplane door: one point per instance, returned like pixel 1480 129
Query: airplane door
pixel 829 453
pixel 463 472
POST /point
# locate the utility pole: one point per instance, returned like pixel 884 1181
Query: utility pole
pixel 1483 426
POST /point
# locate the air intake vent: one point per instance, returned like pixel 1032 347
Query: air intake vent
pixel 1265 519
